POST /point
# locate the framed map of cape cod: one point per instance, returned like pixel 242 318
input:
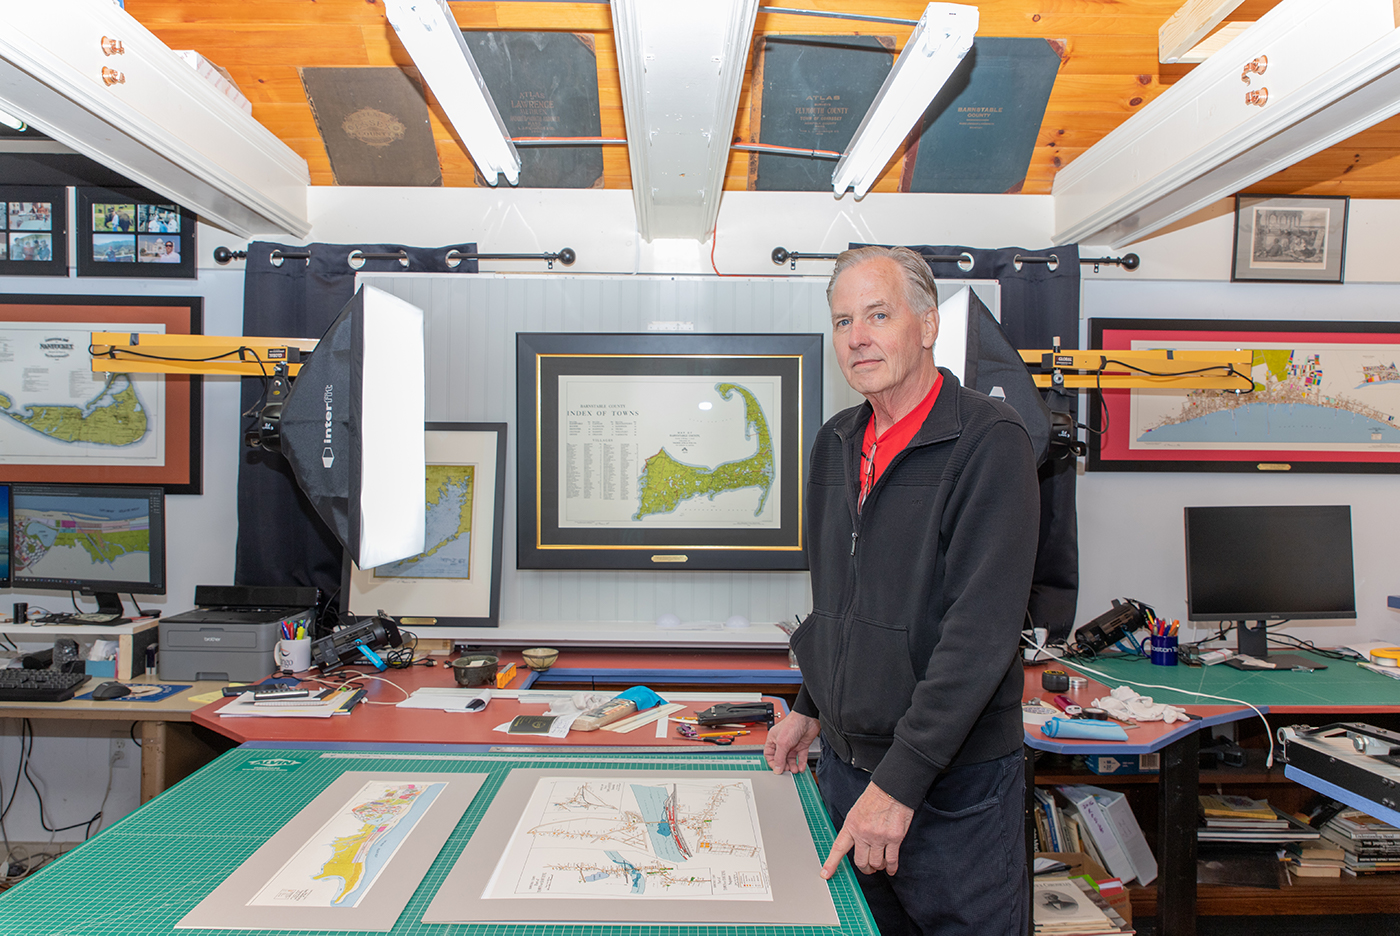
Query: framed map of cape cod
pixel 1325 398
pixel 60 422
pixel 664 451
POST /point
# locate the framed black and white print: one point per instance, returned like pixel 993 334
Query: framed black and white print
pixel 1290 238
pixel 34 230
pixel 133 232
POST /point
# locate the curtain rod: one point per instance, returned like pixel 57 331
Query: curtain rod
pixel 356 258
pixel 1130 261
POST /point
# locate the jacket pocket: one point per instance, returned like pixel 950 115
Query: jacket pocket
pixel 877 678
pixel 815 644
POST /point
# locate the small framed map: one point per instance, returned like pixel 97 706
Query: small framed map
pixel 664 451
pixel 456 580
pixel 62 422
pixel 1325 397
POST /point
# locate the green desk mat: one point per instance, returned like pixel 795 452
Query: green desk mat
pixel 1343 683
pixel 142 875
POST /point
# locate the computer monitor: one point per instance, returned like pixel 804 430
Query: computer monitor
pixel 1261 564
pixel 97 539
pixel 4 536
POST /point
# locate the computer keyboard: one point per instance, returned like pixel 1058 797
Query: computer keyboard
pixel 38 685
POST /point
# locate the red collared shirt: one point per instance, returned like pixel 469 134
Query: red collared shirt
pixel 877 453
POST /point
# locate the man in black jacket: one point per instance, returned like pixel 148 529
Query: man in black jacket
pixel 922 511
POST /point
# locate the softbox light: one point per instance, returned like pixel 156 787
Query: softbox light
pixel 352 428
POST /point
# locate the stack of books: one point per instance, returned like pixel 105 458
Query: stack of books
pixel 1369 846
pixel 1315 859
pixel 1073 907
pixel 1226 818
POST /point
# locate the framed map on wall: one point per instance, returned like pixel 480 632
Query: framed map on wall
pixel 1325 396
pixel 664 451
pixel 61 422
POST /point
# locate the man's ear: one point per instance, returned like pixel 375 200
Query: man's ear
pixel 930 328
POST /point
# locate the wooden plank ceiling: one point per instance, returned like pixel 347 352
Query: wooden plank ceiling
pixel 1110 71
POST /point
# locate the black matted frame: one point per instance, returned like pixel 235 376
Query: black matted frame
pixel 33 244
pixel 789 366
pixel 1290 238
pixel 473 600
pixel 113 223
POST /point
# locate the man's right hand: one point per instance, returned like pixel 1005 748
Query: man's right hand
pixel 788 741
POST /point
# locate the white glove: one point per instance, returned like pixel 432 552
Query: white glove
pixel 1123 703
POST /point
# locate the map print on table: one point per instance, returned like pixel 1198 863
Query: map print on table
pixel 449 528
pixel 57 411
pixel 669 451
pixel 1324 397
pixel 643 837
pixel 339 865
pixel 112 543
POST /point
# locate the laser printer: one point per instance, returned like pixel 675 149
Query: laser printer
pixel 232 633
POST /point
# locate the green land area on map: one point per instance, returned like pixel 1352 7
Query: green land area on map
pixel 454 483
pixel 665 482
pixel 120 419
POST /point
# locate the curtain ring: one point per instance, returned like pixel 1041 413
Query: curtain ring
pixel 356 259
pixel 1016 262
pixel 403 258
pixel 275 258
pixel 1053 263
pixel 965 262
pixel 452 258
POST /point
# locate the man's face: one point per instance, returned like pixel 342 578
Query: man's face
pixel 880 342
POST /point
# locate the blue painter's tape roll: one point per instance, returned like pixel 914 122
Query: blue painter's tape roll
pixel 1085 728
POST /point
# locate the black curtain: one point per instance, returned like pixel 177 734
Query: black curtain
pixel 281 540
pixel 1039 301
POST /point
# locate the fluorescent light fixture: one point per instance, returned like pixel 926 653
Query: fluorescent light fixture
pixel 11 121
pixel 429 32
pixel 1308 75
pixel 681 70
pixel 935 48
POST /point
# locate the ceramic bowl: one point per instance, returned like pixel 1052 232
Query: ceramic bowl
pixel 540 658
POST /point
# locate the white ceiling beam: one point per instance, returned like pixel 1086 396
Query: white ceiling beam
pixel 1189 25
pixel 1308 75
pixel 681 68
pixel 87 74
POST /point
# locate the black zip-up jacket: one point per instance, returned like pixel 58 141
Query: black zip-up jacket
pixel 910 657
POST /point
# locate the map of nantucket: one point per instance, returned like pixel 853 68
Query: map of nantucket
pixel 55 410
pixel 51 541
pixel 661 451
pixel 1336 397
pixel 644 837
pixel 340 863
pixel 449 528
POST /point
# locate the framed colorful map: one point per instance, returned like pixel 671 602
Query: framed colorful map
pixel 664 451
pixel 456 580
pixel 1325 397
pixel 60 422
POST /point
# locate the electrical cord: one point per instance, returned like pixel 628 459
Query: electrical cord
pixel 28 728
pixel 348 680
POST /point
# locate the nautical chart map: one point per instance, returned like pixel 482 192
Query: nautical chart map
pixel 340 863
pixel 1333 397
pixel 642 837
pixel 664 451
pixel 55 410
pixel 449 528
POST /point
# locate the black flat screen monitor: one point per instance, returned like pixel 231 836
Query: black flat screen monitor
pixel 4 536
pixel 97 539
pixel 1264 564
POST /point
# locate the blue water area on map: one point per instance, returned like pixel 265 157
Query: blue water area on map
pixel 1289 423
pixel 383 849
pixel 96 508
pixel 45 534
pixel 636 881
pixel 453 556
pixel 654 802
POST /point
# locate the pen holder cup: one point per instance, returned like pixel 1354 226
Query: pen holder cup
pixel 1163 650
pixel 294 656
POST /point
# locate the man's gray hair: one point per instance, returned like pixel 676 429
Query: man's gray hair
pixel 920 292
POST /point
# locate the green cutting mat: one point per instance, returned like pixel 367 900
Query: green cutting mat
pixel 1342 683
pixel 142 875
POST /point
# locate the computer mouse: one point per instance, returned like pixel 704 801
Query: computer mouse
pixel 110 690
